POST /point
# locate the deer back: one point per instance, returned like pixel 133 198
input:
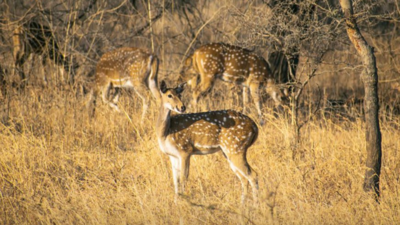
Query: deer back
pixel 211 131
pixel 123 66
pixel 231 63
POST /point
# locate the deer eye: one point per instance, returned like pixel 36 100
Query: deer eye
pixel 169 96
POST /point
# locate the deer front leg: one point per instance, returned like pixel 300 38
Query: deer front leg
pixel 142 91
pixel 105 95
pixel 115 97
pixel 192 83
pixel 175 173
pixel 202 89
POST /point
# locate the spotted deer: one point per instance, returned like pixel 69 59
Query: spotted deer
pixel 181 136
pixel 234 65
pixel 38 39
pixel 124 68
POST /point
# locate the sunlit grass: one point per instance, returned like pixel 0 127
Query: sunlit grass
pixel 59 166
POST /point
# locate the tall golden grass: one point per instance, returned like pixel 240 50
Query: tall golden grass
pixel 58 166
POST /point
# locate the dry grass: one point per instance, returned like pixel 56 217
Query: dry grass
pixel 58 166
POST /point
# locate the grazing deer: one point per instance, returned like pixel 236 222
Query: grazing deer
pixel 36 38
pixel 184 135
pixel 231 64
pixel 125 68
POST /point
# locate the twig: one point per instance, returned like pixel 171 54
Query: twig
pixel 197 34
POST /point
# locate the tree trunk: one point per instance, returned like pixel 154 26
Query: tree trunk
pixel 371 103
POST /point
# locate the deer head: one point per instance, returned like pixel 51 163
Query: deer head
pixel 171 97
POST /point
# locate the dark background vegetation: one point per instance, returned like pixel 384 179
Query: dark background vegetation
pixel 311 32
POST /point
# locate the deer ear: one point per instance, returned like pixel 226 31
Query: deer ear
pixel 180 88
pixel 163 87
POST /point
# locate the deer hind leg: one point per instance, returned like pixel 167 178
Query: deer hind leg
pixel 184 162
pixel 243 170
pixel 242 181
pixel 245 98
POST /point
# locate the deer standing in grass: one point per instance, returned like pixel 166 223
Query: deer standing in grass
pixel 124 68
pixel 234 65
pixel 184 135
pixel 38 39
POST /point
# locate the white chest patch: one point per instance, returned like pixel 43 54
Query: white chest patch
pixel 168 147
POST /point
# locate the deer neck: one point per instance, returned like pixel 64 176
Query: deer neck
pixel 163 122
